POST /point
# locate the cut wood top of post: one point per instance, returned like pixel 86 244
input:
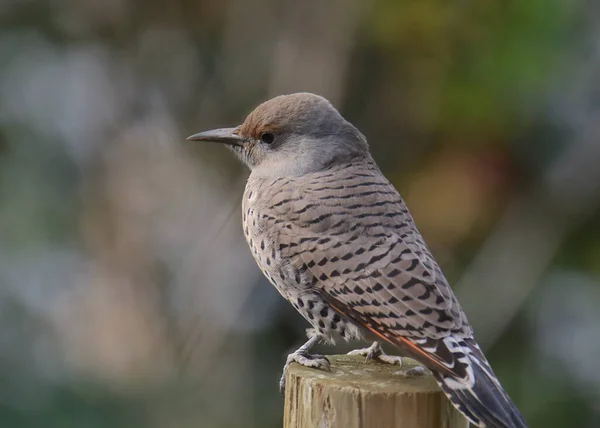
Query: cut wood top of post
pixel 353 372
pixel 357 394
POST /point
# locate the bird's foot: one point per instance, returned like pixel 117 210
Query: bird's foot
pixel 415 371
pixel 303 357
pixel 307 360
pixel 375 352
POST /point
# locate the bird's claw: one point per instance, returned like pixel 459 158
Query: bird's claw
pixel 307 360
pixel 375 353
pixel 415 372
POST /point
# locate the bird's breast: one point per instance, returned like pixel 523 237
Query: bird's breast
pixel 261 233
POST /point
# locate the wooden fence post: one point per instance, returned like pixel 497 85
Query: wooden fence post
pixel 356 394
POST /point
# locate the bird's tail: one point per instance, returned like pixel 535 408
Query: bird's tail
pixel 482 400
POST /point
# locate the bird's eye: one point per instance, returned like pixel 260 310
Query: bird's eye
pixel 267 137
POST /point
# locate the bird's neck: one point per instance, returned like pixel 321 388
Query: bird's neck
pixel 295 167
pixel 264 177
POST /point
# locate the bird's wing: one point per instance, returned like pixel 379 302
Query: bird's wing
pixel 357 246
pixel 381 285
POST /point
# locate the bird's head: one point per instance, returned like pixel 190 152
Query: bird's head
pixel 291 135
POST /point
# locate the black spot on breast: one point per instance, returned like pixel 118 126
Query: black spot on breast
pixel 360 267
pixel 443 316
pixel 425 295
pixel 410 283
pixel 393 273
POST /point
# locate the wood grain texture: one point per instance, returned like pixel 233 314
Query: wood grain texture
pixel 356 394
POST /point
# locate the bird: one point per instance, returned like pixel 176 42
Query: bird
pixel 337 241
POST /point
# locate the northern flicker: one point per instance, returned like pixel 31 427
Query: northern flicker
pixel 335 238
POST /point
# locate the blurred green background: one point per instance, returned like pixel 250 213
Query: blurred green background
pixel 128 297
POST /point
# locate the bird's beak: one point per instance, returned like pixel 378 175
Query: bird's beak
pixel 223 135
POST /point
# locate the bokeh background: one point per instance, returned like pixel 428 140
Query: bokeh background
pixel 128 297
